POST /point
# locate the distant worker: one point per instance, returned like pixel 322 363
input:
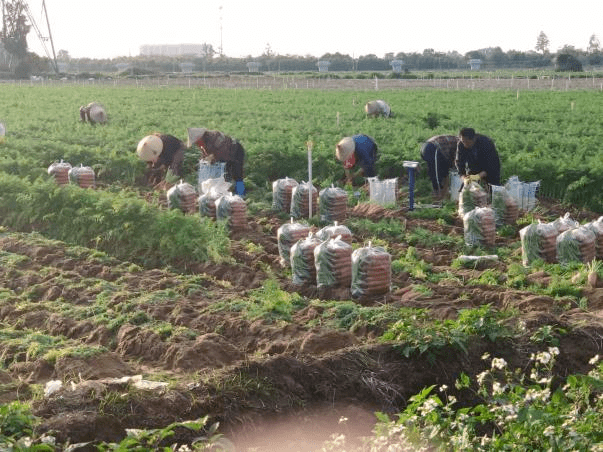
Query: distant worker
pixel 161 152
pixel 439 152
pixel 476 155
pixel 218 147
pixel 358 151
pixel 94 113
pixel 378 108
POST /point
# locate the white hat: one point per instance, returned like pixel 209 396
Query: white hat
pixel 97 113
pixel 194 134
pixel 345 148
pixel 149 148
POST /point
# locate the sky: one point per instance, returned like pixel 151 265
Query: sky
pixel 114 28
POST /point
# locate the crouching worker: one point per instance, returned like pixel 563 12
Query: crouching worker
pixel 376 108
pixel 358 155
pixel 217 147
pixel 439 152
pixel 162 153
pixel 94 113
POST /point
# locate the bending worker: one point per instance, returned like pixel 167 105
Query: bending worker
pixel 378 108
pixel 439 152
pixel 161 152
pixel 476 156
pixel 94 113
pixel 358 151
pixel 221 148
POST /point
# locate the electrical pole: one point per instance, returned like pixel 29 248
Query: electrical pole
pixel 221 48
pixel 54 56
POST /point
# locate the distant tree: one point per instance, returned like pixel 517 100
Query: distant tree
pixel 594 45
pixel 15 29
pixel 567 62
pixel 542 43
pixel 63 55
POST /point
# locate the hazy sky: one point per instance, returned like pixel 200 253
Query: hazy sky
pixel 113 28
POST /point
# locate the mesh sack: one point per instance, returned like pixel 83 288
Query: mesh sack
pixel 576 245
pixel 232 209
pixel 539 241
pixel 303 269
pixel 82 176
pixel 300 202
pixel 60 172
pixel 333 204
pixel 287 235
pixel 182 196
pixel 333 262
pixel 472 195
pixel 281 194
pixel 335 230
pixel 597 228
pixel 371 272
pixel 480 227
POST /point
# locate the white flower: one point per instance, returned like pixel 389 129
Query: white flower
pixel 544 357
pixel 497 388
pixel 486 356
pixel 499 363
pixel 482 376
pixel 443 388
pixel 343 420
pixel 428 406
pixel 594 360
pixel 554 351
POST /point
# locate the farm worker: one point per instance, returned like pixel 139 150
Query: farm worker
pixel 218 147
pixel 378 108
pixel 162 152
pixel 439 152
pixel 476 156
pixel 357 151
pixel 94 113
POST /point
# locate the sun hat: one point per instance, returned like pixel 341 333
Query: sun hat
pixel 194 134
pixel 97 113
pixel 345 148
pixel 149 148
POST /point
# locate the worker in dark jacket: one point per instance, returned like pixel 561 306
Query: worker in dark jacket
pixel 218 147
pixel 439 152
pixel 476 155
pixel 161 152
pixel 358 151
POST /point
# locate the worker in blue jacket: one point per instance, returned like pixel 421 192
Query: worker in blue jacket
pixel 360 152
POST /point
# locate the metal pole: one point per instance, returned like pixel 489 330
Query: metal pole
pixel 54 56
pixel 309 144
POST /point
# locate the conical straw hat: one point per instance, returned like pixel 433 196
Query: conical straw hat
pixel 344 149
pixel 194 133
pixel 149 148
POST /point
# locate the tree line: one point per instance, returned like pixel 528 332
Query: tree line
pixel 16 60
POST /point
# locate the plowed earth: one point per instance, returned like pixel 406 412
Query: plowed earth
pixel 271 386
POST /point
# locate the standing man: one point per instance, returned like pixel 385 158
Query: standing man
pixel 358 151
pixel 221 148
pixel 439 152
pixel 161 152
pixel 476 155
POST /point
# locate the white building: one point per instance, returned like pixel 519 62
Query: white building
pixel 253 66
pixel 475 64
pixel 172 49
pixel 323 65
pixel 396 65
pixel 187 68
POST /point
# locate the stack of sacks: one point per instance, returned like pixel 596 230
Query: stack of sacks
pixel 212 190
pixel 333 204
pixel 597 228
pixel 281 194
pixel 506 210
pixel 480 227
pixel 300 204
pixel 371 272
pixel 472 195
pixel 539 241
pixel 182 196
pixel 335 230
pixel 302 260
pixel 60 171
pixel 576 245
pixel 333 262
pixel 82 176
pixel 287 235
pixel 232 209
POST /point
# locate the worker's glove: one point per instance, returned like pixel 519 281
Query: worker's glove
pixel 474 177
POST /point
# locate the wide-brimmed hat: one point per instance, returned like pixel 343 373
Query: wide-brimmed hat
pixel 345 148
pixel 97 113
pixel 194 134
pixel 149 148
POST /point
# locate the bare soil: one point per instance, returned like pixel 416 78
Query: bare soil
pixel 271 386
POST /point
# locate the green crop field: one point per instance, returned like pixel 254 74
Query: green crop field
pixel 552 136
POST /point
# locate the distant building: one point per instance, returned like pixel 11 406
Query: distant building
pixel 187 68
pixel 121 67
pixel 63 66
pixel 172 49
pixel 323 65
pixel 475 64
pixel 396 65
pixel 253 66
